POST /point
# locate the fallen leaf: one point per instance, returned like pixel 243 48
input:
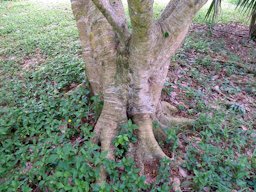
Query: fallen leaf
pixel 176 184
pixel 244 128
pixel 183 172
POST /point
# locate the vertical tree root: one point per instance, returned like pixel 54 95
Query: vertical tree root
pixel 148 147
pixel 106 130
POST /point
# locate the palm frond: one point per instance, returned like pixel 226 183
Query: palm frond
pixel 214 9
pixel 248 6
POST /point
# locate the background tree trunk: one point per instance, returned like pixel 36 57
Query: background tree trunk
pixel 128 68
pixel 253 26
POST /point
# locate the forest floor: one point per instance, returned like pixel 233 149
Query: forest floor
pixel 44 135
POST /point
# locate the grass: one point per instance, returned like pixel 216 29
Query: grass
pixel 45 135
pixel 228 14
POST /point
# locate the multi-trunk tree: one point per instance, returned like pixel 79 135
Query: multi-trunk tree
pixel 127 67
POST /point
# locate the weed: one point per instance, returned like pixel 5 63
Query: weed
pixel 172 138
pixel 215 165
pixel 126 136
pixel 168 88
pixel 45 136
pixel 198 45
pixel 162 182
pixel 206 61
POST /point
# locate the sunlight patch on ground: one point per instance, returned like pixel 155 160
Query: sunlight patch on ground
pixel 52 3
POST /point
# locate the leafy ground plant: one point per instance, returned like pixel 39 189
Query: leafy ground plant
pixel 45 133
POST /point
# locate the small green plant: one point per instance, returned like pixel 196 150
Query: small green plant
pixel 45 135
pixel 238 108
pixel 215 166
pixel 126 136
pixel 125 176
pixel 97 105
pixel 162 182
pixel 168 88
pixel 198 45
pixel 166 34
pixel 206 61
pixel 172 138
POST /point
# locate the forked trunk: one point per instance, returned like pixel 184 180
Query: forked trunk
pixel 128 69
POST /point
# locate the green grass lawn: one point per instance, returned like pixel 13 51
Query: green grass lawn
pixel 45 134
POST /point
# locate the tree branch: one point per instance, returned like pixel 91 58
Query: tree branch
pixel 174 21
pixel 113 11
pixel 141 14
pixel 169 9
pixel 190 8
pixel 170 31
pixel 140 51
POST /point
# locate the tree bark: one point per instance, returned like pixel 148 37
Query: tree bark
pixel 128 68
pixel 252 31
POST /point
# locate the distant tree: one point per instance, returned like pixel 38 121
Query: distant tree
pixel 247 6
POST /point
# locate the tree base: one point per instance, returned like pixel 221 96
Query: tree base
pixel 147 149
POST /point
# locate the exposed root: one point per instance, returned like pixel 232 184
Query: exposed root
pixel 108 133
pixel 146 150
pixel 160 134
pixel 165 118
pixel 74 90
pixel 148 147
pixel 103 176
pixel 167 108
pixel 105 131
pixel 105 137
pixel 139 161
pixel 97 130
pixel 166 121
pixel 143 157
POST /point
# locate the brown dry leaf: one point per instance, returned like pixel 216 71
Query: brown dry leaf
pixel 217 89
pixel 197 139
pixel 63 128
pixel 207 189
pixel 244 128
pixel 150 179
pixel 176 184
pixel 183 172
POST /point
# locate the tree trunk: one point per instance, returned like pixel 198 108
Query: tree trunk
pixel 253 26
pixel 128 68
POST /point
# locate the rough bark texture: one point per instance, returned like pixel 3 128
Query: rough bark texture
pixel 128 68
pixel 253 26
